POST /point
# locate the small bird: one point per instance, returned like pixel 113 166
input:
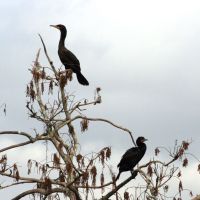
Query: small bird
pixel 68 59
pixel 132 157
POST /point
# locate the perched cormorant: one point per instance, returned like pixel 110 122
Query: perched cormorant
pixel 68 59
pixel 132 156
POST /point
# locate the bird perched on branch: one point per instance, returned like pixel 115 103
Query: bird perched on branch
pixel 68 59
pixel 132 156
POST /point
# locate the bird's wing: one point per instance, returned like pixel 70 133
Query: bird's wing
pixel 69 59
pixel 129 155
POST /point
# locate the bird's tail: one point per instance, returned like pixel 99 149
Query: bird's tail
pixel 81 79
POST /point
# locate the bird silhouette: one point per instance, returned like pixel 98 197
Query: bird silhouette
pixel 132 156
pixel 68 59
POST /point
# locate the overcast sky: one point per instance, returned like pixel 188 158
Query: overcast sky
pixel 143 54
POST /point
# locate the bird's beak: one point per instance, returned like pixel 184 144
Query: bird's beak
pixel 145 139
pixel 54 26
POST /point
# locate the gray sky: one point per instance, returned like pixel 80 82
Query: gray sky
pixel 143 54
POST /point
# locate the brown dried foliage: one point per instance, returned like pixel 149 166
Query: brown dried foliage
pixel 79 157
pixel 185 162
pixel 16 172
pixel 68 73
pixel 179 174
pixel 93 173
pixel 157 151
pixel 108 152
pixel 3 162
pixel 43 74
pixel 32 94
pixel 42 87
pixel 51 87
pixel 29 165
pixel 166 188
pixel 27 91
pixel 149 171
pixel 102 157
pixel 62 80
pixel 56 160
pixel 84 178
pixel 185 145
pixel 126 196
pixel 102 181
pixel 47 183
pixel 61 176
pixel 198 168
pixel 84 124
pixel 36 74
pixel 180 187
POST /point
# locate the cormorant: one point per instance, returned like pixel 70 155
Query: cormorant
pixel 132 156
pixel 68 59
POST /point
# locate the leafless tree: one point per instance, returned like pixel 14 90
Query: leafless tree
pixel 67 172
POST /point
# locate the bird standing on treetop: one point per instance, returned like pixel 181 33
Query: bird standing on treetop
pixel 132 156
pixel 68 59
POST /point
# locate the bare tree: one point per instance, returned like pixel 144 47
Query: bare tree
pixel 67 171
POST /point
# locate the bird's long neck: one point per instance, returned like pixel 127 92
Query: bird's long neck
pixel 63 34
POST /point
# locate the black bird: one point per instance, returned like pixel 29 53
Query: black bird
pixel 132 156
pixel 68 59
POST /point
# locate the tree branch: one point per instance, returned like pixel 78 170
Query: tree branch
pixel 120 186
pixel 40 191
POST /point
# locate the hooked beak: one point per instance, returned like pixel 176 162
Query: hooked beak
pixel 54 26
pixel 145 139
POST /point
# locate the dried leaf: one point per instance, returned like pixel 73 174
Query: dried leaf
pixel 126 196
pixel 51 87
pixel 98 89
pixel 68 74
pixel 198 169
pixel 185 162
pixel 157 151
pixel 180 152
pixel 108 153
pixel 179 174
pixel 61 176
pixel 84 178
pixel 4 110
pixel 56 160
pixel 36 74
pixel 166 188
pixel 17 175
pixel 16 172
pixel 102 157
pixel 43 74
pixel 84 124
pixel 42 87
pixel 185 145
pixel 102 183
pixel 29 165
pixel 78 158
pixel 93 173
pixel 27 91
pixel 62 80
pixel 47 183
pixel 149 171
pixel 180 187
pixel 32 94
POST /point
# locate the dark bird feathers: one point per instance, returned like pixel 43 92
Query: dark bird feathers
pixel 68 59
pixel 132 156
